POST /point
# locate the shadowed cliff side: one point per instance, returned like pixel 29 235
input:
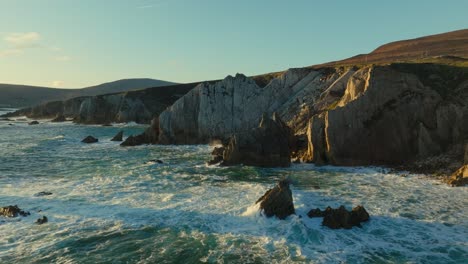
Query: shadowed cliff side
pixel 138 106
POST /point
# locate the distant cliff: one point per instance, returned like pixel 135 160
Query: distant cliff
pixel 26 96
pixel 138 106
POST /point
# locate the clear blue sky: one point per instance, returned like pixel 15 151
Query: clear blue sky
pixel 76 43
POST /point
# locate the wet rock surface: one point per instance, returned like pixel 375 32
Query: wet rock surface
pixel 277 201
pixel 33 123
pixel 12 211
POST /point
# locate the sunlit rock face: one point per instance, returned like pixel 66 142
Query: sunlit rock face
pixel 236 104
pixel 386 115
pixel 395 115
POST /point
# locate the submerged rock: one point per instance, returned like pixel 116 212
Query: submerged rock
pixel 156 161
pixel 42 220
pixel 33 123
pixel 59 118
pixel 340 217
pixel 12 211
pixel 43 194
pixel 277 201
pixel 89 139
pixel 118 136
pixel 265 146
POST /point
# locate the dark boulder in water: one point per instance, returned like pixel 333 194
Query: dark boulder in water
pixel 12 211
pixel 340 217
pixel 43 194
pixel 89 139
pixel 59 118
pixel 42 220
pixel 118 137
pixel 277 201
pixel 156 161
pixel 134 141
pixel 33 123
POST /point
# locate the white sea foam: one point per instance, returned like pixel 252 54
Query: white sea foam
pixel 105 196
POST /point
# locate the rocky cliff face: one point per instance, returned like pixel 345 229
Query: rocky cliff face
pixel 396 114
pixel 386 115
pixel 138 106
pixel 214 111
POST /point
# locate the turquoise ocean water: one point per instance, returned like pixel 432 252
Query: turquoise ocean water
pixel 111 205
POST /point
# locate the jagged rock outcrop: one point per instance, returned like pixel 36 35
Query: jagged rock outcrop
pixel 118 136
pixel 268 145
pixel 215 111
pixel 396 114
pixel 277 201
pixel 149 136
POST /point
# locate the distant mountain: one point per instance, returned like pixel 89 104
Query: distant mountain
pixel 23 95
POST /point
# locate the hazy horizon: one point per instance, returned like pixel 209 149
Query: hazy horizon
pixel 67 44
